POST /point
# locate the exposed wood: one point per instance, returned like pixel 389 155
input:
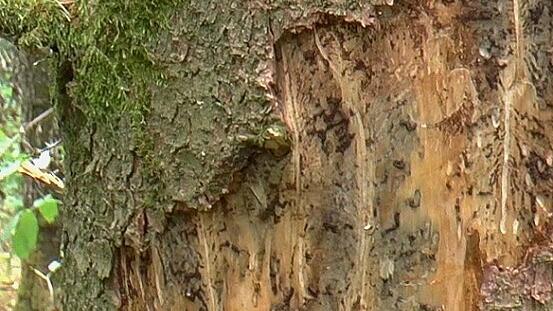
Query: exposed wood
pixel 419 176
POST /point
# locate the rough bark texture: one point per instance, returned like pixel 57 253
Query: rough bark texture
pixel 419 174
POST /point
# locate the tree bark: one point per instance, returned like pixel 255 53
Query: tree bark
pixel 418 178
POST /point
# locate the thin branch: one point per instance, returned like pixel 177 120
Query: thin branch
pixel 46 277
pixel 51 146
pixel 39 118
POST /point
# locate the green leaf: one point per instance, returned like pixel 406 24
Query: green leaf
pixel 26 234
pixel 48 208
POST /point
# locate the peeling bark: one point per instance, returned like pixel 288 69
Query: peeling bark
pixel 419 172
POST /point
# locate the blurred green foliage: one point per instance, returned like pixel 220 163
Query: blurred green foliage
pixel 19 224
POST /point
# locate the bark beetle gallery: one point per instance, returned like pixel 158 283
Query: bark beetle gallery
pixel 415 174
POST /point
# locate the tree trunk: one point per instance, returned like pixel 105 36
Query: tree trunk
pixel 418 177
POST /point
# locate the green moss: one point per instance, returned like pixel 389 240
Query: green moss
pixel 104 49
pixel 33 23
pixel 113 58
pixel 107 42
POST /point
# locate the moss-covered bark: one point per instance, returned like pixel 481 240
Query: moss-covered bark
pixel 419 162
pixel 162 103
